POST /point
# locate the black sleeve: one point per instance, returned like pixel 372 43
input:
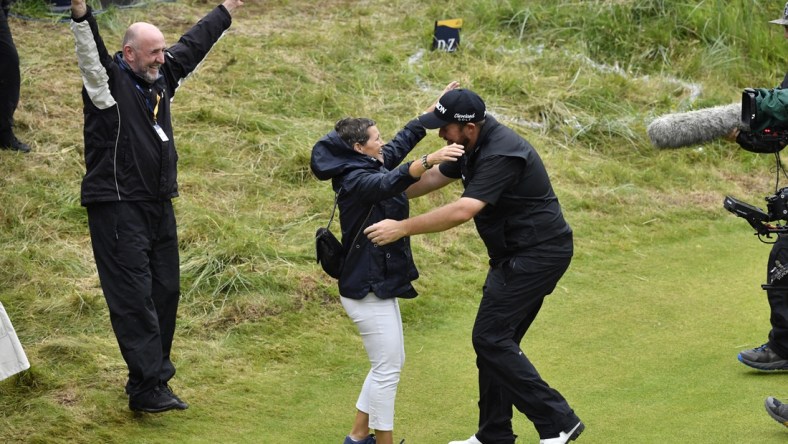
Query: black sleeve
pixel 452 169
pixel 372 186
pixel 184 56
pixel 403 143
pixel 493 175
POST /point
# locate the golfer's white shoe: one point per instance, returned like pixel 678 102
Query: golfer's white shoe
pixel 471 440
pixel 565 437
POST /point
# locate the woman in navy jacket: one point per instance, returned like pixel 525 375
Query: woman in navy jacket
pixel 371 184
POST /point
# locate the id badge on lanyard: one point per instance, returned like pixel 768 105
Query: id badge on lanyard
pixel 161 133
pixel 159 130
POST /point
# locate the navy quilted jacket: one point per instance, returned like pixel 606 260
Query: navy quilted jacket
pixel 370 192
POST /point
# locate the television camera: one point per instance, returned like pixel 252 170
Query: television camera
pixel 761 221
pixel 761 112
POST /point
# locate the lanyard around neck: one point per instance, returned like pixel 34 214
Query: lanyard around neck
pixel 154 109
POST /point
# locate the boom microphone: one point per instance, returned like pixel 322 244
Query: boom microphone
pixel 682 129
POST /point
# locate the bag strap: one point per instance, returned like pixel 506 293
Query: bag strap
pixel 360 229
pixel 336 200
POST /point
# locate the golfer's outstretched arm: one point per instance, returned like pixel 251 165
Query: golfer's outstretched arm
pixel 430 181
pixel 439 219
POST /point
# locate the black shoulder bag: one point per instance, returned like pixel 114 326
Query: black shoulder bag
pixel 328 249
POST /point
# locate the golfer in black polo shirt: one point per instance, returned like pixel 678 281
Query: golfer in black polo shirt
pixel 509 196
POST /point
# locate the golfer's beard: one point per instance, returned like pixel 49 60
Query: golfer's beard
pixel 463 141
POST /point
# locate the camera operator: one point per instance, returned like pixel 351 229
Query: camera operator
pixel 773 355
pixel 777 410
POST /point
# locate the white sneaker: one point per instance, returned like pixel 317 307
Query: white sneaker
pixel 471 440
pixel 565 437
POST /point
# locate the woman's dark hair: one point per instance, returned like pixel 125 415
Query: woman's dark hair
pixel 354 129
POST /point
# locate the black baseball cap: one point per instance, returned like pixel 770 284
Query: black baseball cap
pixel 456 106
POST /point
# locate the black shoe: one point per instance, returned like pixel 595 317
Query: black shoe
pixel 763 358
pixel 17 145
pixel 181 404
pixel 777 410
pixel 154 400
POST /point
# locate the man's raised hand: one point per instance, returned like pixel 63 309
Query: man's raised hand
pixel 232 5
pixel 78 9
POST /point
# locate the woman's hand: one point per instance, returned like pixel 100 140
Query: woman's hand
pixel 449 153
pixel 452 85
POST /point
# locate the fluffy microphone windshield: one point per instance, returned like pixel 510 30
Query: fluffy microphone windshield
pixel 689 128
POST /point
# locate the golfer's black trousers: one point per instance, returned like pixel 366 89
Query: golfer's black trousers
pixel 9 82
pixel 513 294
pixel 136 250
pixel 778 299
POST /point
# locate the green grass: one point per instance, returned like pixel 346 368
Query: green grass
pixel 641 335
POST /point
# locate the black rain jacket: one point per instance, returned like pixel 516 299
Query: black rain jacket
pixel 125 158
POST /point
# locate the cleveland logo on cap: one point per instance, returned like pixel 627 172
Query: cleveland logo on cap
pixel 456 106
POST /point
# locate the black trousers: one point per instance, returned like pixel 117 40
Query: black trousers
pixel 9 82
pixel 778 299
pixel 136 250
pixel 513 294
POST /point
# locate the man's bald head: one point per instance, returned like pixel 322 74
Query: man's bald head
pixel 143 50
pixel 141 31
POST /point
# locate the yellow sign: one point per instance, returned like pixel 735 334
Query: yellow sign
pixel 451 23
